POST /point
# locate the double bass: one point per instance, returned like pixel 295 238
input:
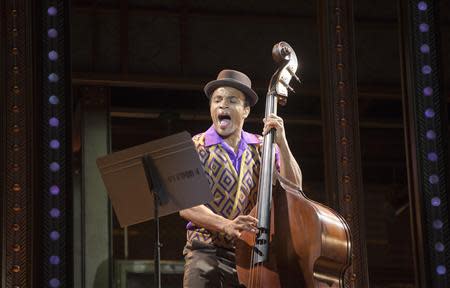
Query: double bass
pixel 300 243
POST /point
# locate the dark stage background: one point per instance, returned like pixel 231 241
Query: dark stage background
pixel 136 69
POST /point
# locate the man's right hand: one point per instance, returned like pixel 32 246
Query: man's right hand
pixel 241 223
pixel 203 217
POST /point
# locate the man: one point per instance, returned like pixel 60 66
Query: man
pixel 231 160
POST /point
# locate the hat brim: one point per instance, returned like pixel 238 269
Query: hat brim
pixel 249 93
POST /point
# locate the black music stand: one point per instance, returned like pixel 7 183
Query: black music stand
pixel 154 179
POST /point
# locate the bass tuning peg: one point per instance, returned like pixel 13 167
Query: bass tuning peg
pixel 294 75
pixel 287 86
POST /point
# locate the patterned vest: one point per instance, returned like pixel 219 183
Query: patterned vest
pixel 234 194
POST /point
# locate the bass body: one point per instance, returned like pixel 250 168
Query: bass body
pixel 309 247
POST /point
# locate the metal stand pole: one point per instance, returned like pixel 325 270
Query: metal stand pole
pixel 157 243
pixel 154 185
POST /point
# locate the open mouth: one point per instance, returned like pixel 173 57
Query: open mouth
pixel 224 120
pixel 224 117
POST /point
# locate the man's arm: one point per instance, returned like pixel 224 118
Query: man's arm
pixel 289 167
pixel 203 217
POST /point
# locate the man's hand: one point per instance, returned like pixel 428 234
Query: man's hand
pixel 241 223
pixel 289 168
pixel 202 216
pixel 276 122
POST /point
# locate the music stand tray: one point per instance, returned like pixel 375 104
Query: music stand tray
pixel 177 166
pixel 154 179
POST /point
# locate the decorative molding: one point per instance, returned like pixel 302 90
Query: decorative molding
pixel 55 150
pixel 18 170
pixel 341 128
pixel 426 142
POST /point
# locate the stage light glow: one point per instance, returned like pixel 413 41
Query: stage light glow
pixel 54 100
pixel 432 156
pixel 53 77
pixel 425 49
pixel 53 122
pixel 54 283
pixel 437 224
pixel 431 135
pixel 422 6
pixel 52 11
pixel 52 33
pixel 429 113
pixel 54 144
pixel 55 213
pixel 53 55
pixel 54 190
pixel 426 69
pixel 433 179
pixel 54 260
pixel 436 201
pixel 54 166
pixel 439 247
pixel 54 235
pixel 441 270
pixel 424 27
pixel 427 91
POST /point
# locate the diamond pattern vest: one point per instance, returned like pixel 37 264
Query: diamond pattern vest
pixel 234 194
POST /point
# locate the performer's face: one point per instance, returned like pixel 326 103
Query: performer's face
pixel 228 111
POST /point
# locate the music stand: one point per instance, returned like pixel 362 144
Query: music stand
pixel 154 179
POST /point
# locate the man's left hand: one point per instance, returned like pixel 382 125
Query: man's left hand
pixel 276 122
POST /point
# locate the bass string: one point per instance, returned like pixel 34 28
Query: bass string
pixel 253 277
pixel 252 255
pixel 255 269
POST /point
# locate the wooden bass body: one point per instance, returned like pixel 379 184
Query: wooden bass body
pixel 310 244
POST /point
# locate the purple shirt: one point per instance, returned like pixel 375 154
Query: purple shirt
pixel 212 138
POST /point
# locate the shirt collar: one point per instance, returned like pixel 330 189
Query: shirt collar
pixel 213 138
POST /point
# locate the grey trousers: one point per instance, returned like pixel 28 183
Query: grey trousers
pixel 209 266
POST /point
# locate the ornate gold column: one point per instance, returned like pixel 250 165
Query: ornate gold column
pixel 18 142
pixel 343 171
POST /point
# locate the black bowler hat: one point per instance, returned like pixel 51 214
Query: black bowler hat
pixel 235 79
